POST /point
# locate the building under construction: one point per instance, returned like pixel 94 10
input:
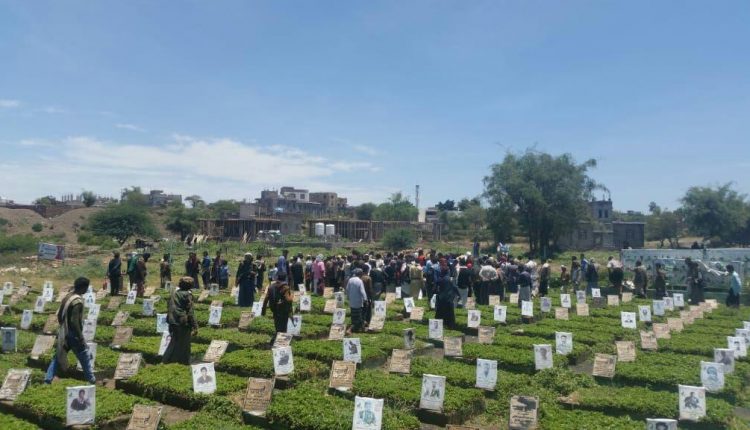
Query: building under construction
pixel 237 229
pixel 358 230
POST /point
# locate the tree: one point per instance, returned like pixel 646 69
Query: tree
pixel 89 198
pixel 546 194
pixel 46 200
pixel 222 208
pixel 665 225
pixel 715 212
pixel 195 201
pixel 121 222
pixel 398 239
pixel 133 196
pixel 397 208
pixel 448 205
pixel 182 220
pixel 467 203
pixel 364 211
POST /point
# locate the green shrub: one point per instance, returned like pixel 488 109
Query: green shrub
pixel 37 227
pixel 18 243
pixel 398 239
pixel 307 407
pixel 10 422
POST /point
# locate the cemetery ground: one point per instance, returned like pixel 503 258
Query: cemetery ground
pixel 569 397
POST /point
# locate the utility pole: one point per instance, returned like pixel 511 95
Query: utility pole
pixel 416 198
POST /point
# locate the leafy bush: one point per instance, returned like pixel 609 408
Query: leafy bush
pixel 307 407
pixel 398 239
pixel 37 227
pixel 173 384
pixel 259 363
pixel 18 243
pixel 46 403
pixel 10 422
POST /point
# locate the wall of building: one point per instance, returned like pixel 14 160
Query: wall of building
pixel 628 234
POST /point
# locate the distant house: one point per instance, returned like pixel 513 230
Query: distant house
pixel 602 231
pixel 159 198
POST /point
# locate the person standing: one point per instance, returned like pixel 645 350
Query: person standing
pixel 193 268
pixel 246 281
pixel 733 299
pixel 592 275
pixel 357 297
pixel 298 272
pixel 367 282
pixel 695 281
pixel 463 282
pixel 279 298
pixel 182 324
pixel 70 334
pixel 206 270
pixel 640 279
pixel 282 265
pixel 216 268
pixel 165 270
pixel 564 279
pixel 544 275
pixel 141 272
pixel 660 282
pixel 132 263
pixel 378 280
pixel 446 294
pixel 224 275
pixel 260 267
pixel 318 274
pixel 114 273
pixel 575 269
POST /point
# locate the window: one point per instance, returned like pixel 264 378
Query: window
pixel 600 213
pixel 606 214
pixel 302 196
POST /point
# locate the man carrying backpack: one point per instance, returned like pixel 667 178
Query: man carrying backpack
pixel 279 298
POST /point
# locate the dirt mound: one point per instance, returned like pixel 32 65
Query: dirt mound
pixel 20 221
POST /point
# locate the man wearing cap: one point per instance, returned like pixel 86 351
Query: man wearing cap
pixel 70 334
pixel 357 296
pixel 182 324
pixel 246 277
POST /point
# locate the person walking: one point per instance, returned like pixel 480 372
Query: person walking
pixel 114 273
pixel 318 274
pixel 132 263
pixel 140 275
pixel 246 281
pixel 70 334
pixel 592 275
pixel 279 298
pixel 357 297
pixel 446 293
pixel 298 272
pixel 182 324
pixel 660 282
pixel 544 276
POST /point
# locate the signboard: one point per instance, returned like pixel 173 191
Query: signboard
pixel 282 339
pixel 435 329
pixel 50 251
pixel 144 417
pixel 661 424
pixel 486 374
pixel 258 396
pixel 352 350
pixel 625 351
pixel 215 351
pixel 379 308
pixel 661 330
pixel 453 346
pixel 628 320
pixel 409 338
pixel 546 304
pixel 368 413
pixel 613 300
pixel 561 314
pixel 214 316
pixel 377 323
pixel 712 376
pixel 26 318
pixel 42 345
pixel 473 319
pixel 542 357
pixel 127 365
pixel 433 392
pixel 527 308
pixel 563 342
pixel 725 356
pixel 658 306
pixel 523 413
pixel 342 375
pixel 486 335
pixel 246 318
pixel 582 309
pixel 644 313
pixel 565 301
pixel 692 402
pixel 339 316
pixel 337 332
pixel 648 341
pixel 204 378
pixel 417 314
pixel 122 336
pixel 16 381
pixel 604 365
pixel 500 313
pixel 400 361
pixel 283 361
pixel 80 405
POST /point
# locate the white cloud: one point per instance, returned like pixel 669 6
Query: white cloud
pixel 131 127
pixel 53 110
pixel 212 168
pixel 9 103
pixel 365 149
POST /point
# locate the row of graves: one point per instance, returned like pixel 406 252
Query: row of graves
pixel 555 362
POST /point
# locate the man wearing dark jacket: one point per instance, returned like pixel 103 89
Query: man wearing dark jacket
pixel 182 324
pixel 279 298
pixel 114 274
pixel 70 333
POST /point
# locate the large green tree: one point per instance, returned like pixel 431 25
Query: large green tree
pixel 397 208
pixel 365 211
pixel 134 196
pixel 223 208
pixel 719 212
pixel 121 222
pixel 182 220
pixel 89 198
pixel 546 194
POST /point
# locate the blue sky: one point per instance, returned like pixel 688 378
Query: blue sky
pixel 225 98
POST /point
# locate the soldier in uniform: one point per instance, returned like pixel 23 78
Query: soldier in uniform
pixel 182 324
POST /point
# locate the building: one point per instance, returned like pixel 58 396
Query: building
pixel 287 200
pixel 602 231
pixel 159 198
pixel 331 203
pixel 360 230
